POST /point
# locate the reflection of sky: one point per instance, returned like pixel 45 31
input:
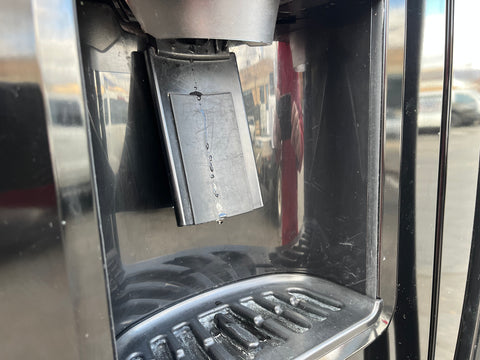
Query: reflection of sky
pixel 57 42
pixel 19 40
pixel 397 3
pixel 16 32
pixel 434 7
pixel 434 41
pixel 249 55
pixel 466 27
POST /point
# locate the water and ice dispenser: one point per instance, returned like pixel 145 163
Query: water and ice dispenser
pixel 237 149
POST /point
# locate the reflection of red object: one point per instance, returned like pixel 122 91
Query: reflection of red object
pixel 289 193
pixel 42 196
pixel 297 134
pixel 291 149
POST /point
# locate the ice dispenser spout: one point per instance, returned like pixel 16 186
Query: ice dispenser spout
pixel 246 21
pixel 205 129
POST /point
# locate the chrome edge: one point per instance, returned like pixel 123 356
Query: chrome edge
pixel 58 59
pixel 391 157
pixel 351 340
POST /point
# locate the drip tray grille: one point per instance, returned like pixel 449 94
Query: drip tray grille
pixel 289 314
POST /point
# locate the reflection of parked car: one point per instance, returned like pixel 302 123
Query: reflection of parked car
pixel 465 107
pixel 429 111
pixel 262 148
pixel 268 172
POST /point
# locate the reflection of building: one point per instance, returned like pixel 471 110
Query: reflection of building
pixel 257 76
pixel 257 68
pixel 258 88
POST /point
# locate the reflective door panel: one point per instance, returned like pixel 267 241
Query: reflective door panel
pixel 313 104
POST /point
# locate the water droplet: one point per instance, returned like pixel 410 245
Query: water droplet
pixel 221 217
pixel 64 222
pixel 207 145
pixel 211 167
pixel 199 98
pixel 210 157
pixel 212 176
pixel 216 194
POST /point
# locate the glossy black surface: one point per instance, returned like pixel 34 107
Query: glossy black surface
pixel 336 122
pixel 52 287
pixel 406 318
pixel 33 277
pixel 122 254
pixel 152 263
pixel 54 297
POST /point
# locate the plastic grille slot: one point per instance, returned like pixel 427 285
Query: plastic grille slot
pixel 252 319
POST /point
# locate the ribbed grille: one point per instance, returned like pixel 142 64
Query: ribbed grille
pixel 241 329
pixel 244 327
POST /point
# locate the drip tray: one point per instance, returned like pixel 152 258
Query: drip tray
pixel 268 317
